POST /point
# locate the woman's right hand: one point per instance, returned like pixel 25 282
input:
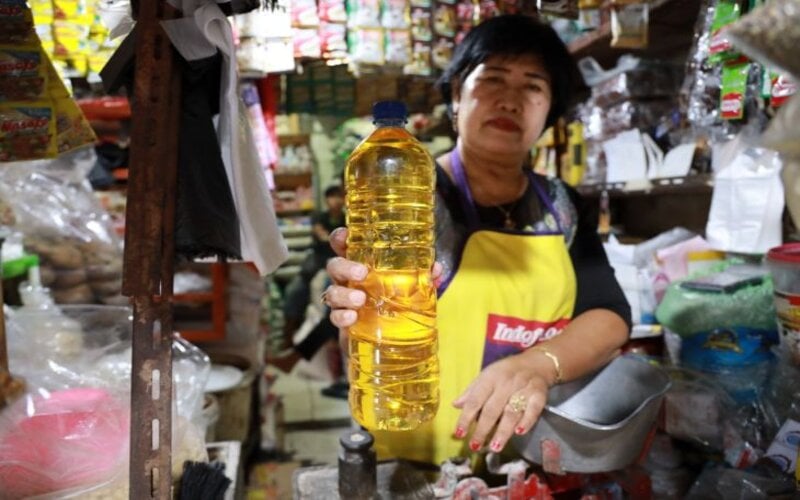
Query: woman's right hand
pixel 345 302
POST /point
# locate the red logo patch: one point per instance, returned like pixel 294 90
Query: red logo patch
pixel 506 330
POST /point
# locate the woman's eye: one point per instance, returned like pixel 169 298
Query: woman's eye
pixel 534 87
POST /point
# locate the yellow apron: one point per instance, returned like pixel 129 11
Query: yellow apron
pixel 509 291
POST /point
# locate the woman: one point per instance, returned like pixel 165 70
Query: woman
pixel 527 298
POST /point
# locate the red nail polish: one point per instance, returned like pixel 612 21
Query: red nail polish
pixel 460 433
pixel 495 446
pixel 520 430
pixel 474 446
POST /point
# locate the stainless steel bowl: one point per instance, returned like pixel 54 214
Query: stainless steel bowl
pixel 599 423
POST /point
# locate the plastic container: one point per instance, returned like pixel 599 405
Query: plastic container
pixel 394 368
pixel 784 264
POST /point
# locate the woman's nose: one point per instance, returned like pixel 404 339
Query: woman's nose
pixel 509 101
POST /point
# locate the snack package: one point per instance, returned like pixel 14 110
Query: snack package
pixel 420 3
pixel 783 87
pixel 734 91
pixel 363 13
pixel 306 43
pixel 16 22
pixel 720 47
pixel 72 128
pixel 629 24
pixel 27 131
pixel 333 40
pixel 421 30
pixel 304 14
pixel 71 40
pixel 395 14
pixel 444 20
pixel 69 9
pixel 442 52
pixel 23 73
pixel 398 47
pixel 332 11
pixel 421 64
pixel 366 46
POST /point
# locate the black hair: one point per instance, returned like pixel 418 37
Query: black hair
pixel 514 36
pixel 334 190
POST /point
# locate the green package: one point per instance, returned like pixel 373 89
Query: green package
pixel 720 48
pixel 734 91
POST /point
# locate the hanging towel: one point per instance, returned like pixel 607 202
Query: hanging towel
pixel 261 241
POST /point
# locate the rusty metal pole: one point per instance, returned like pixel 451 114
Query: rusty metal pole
pixel 149 250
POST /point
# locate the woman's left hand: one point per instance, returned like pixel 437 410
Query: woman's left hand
pixel 510 394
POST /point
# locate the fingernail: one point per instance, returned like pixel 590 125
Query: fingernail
pixel 360 272
pixel 495 446
pixel 460 433
pixel 520 430
pixel 474 446
pixel 350 316
pixel 357 298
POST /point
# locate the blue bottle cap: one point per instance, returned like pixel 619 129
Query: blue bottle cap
pixel 389 110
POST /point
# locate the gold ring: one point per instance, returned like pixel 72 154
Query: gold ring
pixel 517 403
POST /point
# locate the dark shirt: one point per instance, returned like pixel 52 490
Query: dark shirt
pixel 597 286
pixel 322 249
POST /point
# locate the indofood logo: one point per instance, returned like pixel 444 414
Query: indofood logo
pixel 521 333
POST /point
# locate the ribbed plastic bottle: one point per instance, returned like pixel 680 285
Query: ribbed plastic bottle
pixel 393 365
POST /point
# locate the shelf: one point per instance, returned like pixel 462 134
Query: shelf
pixel 695 184
pixel 294 140
pixel 292 181
pixel 294 212
pixel 671 33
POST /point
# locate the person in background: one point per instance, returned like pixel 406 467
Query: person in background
pixel 527 298
pixel 297 294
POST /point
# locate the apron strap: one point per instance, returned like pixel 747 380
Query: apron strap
pixel 464 193
pixel 468 203
pixel 545 199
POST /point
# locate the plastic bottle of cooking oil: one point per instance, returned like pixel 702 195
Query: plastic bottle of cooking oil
pixel 394 368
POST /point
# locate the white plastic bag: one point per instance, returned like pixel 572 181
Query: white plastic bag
pixel 747 204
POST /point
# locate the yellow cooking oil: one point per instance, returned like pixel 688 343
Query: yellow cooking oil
pixel 393 363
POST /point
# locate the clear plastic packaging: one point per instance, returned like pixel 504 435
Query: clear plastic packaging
pixel 686 311
pixel 62 439
pixel 73 423
pixel 64 224
pixel 648 80
pixel 718 483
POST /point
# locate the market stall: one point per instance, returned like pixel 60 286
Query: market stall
pixel 163 177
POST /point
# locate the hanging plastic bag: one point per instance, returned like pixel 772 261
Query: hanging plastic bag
pixel 747 204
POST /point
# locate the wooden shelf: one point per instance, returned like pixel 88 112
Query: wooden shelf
pixel 293 181
pixel 294 213
pixel 294 140
pixel 671 33
pixel 217 297
pixel 694 184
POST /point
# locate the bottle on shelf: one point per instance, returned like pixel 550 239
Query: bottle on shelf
pixel 394 368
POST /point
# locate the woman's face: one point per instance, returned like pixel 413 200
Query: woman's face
pixel 503 105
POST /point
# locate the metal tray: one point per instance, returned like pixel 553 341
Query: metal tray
pixel 598 423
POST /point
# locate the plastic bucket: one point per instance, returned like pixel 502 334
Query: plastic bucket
pixel 784 265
